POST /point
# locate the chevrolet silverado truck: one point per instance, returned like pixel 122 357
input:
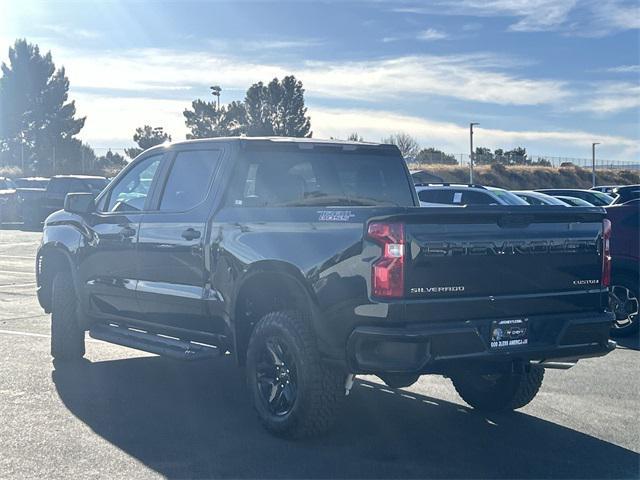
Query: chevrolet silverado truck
pixel 310 262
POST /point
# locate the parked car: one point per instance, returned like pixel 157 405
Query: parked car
pixel 574 201
pixel 608 189
pixel 598 199
pixel 626 194
pixel 8 200
pixel 38 204
pixel 31 182
pixel 537 198
pixel 308 261
pixel 459 194
pixel 625 253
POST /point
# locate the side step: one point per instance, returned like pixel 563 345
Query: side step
pixel 152 343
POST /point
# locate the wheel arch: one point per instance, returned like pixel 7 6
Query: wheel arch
pixel 51 258
pixel 267 286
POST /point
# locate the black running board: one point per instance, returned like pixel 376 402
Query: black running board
pixel 152 343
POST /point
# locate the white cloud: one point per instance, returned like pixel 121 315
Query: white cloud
pixel 624 69
pixel 467 77
pixel 112 121
pixel 431 34
pixel 610 98
pixel 374 125
pixel 584 18
pixel 71 33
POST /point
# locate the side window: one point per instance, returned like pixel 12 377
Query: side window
pixel 436 196
pixel 189 179
pixel 130 193
pixel 477 198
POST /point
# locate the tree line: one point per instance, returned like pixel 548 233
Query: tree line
pixel 39 124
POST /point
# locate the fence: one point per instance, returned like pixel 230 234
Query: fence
pixel 462 159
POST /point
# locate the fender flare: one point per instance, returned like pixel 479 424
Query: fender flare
pixel 270 267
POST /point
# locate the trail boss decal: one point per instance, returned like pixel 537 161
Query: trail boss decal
pixel 335 215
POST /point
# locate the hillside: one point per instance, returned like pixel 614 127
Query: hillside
pixel 524 178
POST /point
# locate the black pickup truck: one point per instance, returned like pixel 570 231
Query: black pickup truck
pixel 39 202
pixel 310 262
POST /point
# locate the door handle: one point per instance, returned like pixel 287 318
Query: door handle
pixel 190 234
pixel 128 232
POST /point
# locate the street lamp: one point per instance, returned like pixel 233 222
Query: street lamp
pixel 593 163
pixel 471 150
pixel 215 91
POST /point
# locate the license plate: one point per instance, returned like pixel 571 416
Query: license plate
pixel 509 333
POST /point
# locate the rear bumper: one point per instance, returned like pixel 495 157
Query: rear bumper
pixel 442 347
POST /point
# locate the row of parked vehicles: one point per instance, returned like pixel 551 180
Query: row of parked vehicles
pixel 308 262
pixel 32 199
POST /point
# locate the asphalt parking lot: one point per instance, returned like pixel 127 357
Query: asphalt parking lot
pixel 125 414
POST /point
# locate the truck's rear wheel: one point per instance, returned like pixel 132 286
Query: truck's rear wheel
pixel 499 392
pixel 623 301
pixel 293 391
pixel 67 338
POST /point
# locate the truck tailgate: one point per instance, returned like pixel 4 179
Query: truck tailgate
pixel 478 262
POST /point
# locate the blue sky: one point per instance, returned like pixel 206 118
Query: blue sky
pixel 550 75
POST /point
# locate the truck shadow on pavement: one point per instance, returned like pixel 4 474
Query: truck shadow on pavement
pixel 195 421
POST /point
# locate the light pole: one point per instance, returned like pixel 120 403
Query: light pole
pixel 471 150
pixel 593 163
pixel 215 91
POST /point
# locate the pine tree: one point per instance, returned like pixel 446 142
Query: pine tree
pixel 37 122
pixel 277 109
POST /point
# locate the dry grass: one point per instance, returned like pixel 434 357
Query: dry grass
pixel 525 178
pixel 11 172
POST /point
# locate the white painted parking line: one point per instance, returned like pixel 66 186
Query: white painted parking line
pixel 23 257
pixel 26 334
pixel 17 271
pixel 43 335
pixel 15 244
pixel 15 285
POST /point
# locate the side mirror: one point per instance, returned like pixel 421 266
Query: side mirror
pixel 79 203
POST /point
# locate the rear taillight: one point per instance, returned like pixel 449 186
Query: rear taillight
pixel 387 273
pixel 606 253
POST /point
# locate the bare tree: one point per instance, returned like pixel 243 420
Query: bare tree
pixel 407 144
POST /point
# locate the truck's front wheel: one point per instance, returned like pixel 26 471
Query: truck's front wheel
pixel 499 392
pixel 293 391
pixel 67 338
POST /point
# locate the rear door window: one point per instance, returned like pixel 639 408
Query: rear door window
pixel 189 179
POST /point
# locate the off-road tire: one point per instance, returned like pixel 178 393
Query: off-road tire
pixel 320 388
pixel 499 393
pixel 67 338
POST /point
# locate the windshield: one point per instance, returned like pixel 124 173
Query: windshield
pixel 601 199
pixel 507 197
pixel 317 178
